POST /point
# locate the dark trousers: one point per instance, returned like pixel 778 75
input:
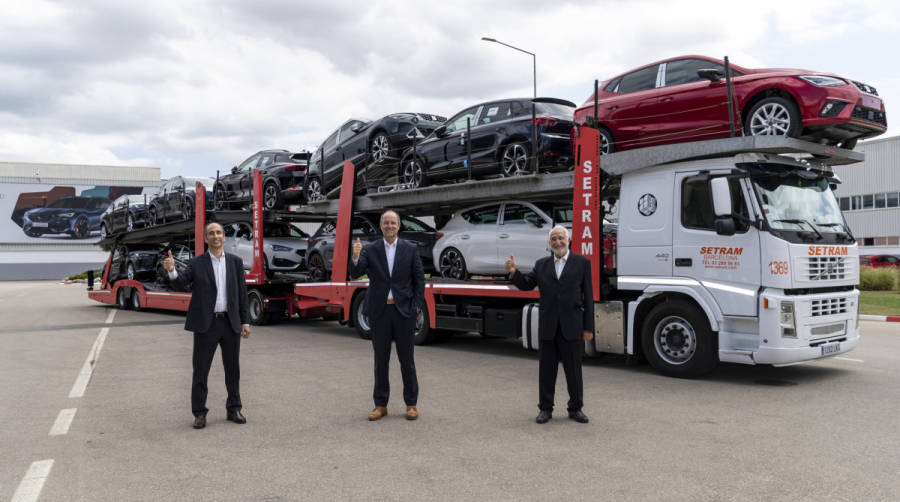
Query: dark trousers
pixel 219 334
pixel 392 326
pixel 552 352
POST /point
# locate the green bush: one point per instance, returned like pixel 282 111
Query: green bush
pixel 97 274
pixel 877 279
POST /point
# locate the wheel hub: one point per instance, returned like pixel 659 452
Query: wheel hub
pixel 675 340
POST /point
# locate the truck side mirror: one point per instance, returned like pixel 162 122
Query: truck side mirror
pixel 725 225
pixel 721 194
pixel 710 74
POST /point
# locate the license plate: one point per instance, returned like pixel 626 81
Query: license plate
pixel 871 102
pixel 831 348
pixel 39 224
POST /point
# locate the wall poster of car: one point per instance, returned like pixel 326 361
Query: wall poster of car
pixel 57 213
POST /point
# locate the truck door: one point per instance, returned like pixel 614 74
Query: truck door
pixel 727 266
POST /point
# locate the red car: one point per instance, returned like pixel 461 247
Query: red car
pixel 685 99
pixel 880 260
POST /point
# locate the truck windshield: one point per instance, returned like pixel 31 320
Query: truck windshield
pixel 795 202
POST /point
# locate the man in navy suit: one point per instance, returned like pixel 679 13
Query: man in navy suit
pixel 566 319
pixel 218 315
pixel 396 290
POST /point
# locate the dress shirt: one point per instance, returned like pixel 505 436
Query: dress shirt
pixel 559 263
pixel 218 265
pixel 390 250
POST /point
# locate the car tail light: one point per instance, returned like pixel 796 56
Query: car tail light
pixel 438 235
pixel 544 121
pixel 308 244
pixel 295 167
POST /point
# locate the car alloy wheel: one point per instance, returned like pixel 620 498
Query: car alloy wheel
pixel 187 210
pixel 271 196
pixel 129 223
pixel 606 142
pixel 129 271
pixel 412 174
pixel 313 189
pixel 452 264
pixel 514 160
pixel 316 267
pixel 151 217
pixel 380 147
pixel 774 116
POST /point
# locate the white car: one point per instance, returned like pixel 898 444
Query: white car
pixel 478 240
pixel 284 246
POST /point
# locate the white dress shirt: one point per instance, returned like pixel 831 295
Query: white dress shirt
pixel 559 263
pixel 219 270
pixel 390 250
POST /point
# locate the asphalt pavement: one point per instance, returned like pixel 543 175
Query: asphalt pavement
pixel 828 430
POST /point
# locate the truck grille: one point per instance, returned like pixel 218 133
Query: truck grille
pixel 865 88
pixel 828 306
pixel 826 268
pixel 869 115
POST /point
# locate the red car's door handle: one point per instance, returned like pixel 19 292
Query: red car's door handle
pixel 613 107
pixel 666 99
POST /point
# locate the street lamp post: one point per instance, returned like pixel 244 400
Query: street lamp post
pixel 534 163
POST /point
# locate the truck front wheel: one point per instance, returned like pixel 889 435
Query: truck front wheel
pixel 678 341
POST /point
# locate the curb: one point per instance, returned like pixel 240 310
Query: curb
pixel 883 318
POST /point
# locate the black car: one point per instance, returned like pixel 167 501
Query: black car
pixel 175 199
pixel 182 252
pixel 124 215
pixel 320 249
pixel 501 142
pixel 76 216
pixel 371 146
pixel 283 175
pixel 134 262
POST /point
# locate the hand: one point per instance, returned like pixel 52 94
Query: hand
pixel 357 248
pixel 511 265
pixel 245 331
pixel 169 262
pixel 588 335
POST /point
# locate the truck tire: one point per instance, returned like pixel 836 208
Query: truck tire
pixel 678 341
pixel 360 321
pixel 424 335
pixel 135 300
pixel 257 308
pixel 122 298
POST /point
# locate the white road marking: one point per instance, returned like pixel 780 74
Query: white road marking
pixel 849 359
pixel 30 488
pixel 109 318
pixel 87 369
pixel 63 421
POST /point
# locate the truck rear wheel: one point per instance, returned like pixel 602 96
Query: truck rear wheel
pixel 257 307
pixel 360 320
pixel 122 298
pixel 678 341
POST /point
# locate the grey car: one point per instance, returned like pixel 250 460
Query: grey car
pixel 284 246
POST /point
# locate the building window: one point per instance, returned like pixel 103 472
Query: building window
pixel 893 241
pixel 868 241
pixel 856 202
pixel 881 241
pixel 845 203
pixel 893 199
pixel 880 200
pixel 868 201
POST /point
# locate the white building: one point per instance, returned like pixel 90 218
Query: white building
pixel 76 195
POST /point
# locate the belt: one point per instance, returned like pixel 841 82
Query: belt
pixel 220 314
pixel 390 301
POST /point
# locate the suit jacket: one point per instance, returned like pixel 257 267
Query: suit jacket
pixel 406 283
pixel 567 302
pixel 199 273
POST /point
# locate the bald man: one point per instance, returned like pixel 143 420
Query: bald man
pixel 566 320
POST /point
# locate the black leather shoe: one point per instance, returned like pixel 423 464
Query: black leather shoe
pixel 199 421
pixel 578 416
pixel 544 416
pixel 236 417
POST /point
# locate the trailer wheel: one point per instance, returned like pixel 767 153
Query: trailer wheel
pixel 122 298
pixel 678 341
pixel 360 320
pixel 135 300
pixel 424 334
pixel 258 314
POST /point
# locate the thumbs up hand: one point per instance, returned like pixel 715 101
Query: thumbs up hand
pixel 169 262
pixel 357 249
pixel 511 265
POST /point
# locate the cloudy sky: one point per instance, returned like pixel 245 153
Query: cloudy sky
pixel 194 86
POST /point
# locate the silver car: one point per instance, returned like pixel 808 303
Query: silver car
pixel 284 246
pixel 478 240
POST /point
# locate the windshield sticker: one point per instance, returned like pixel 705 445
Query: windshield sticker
pixel 721 258
pixel 828 250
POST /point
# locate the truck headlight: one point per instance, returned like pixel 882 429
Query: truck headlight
pixel 788 321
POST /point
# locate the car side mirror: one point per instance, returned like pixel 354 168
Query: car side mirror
pixel 234 170
pixel 355 127
pixel 710 74
pixel 440 131
pixel 534 220
pixel 725 225
pixel 721 193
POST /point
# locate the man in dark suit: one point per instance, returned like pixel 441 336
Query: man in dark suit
pixel 566 319
pixel 217 315
pixel 396 290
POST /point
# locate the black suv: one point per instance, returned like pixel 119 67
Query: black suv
pixel 320 247
pixel 283 176
pixel 175 199
pixel 374 147
pixel 501 142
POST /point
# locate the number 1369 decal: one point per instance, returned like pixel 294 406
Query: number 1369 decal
pixel 778 267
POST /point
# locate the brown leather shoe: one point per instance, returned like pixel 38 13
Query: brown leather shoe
pixel 377 413
pixel 412 413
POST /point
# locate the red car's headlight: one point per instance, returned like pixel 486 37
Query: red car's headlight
pixel 823 80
